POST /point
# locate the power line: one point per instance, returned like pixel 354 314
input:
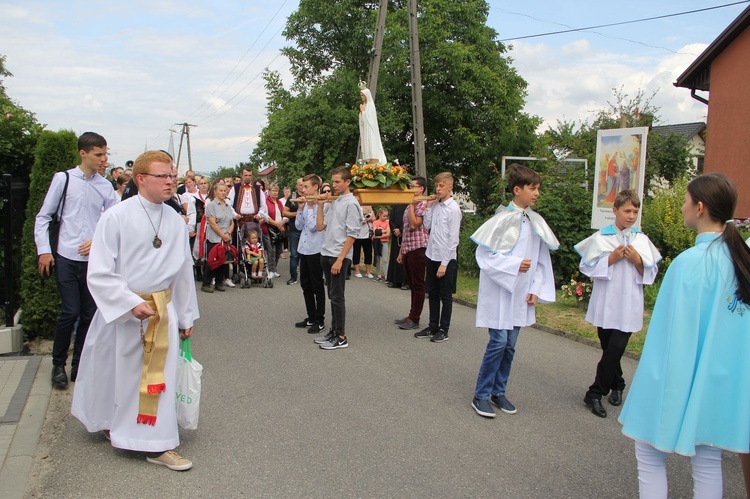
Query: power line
pixel 572 30
pixel 206 100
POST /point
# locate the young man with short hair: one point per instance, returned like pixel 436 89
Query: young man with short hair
pixel 88 194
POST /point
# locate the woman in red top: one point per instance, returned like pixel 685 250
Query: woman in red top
pixel 273 229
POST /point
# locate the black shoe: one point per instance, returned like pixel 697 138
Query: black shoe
pixel 596 406
pixel 292 280
pixel 73 374
pixel 59 378
pixel 316 328
pixel 303 323
pixel 425 333
pixel 401 321
pixel 615 398
pixel 408 325
pixel 440 337
pixel 393 285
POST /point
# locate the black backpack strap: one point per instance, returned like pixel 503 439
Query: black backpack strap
pixel 61 203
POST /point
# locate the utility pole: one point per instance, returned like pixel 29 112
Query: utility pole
pixel 185 132
pixel 377 49
pixel 416 92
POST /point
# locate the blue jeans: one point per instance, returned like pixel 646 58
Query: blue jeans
pixel 495 369
pixel 76 304
pixel 293 255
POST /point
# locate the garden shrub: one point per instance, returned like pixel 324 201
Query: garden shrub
pixel 40 303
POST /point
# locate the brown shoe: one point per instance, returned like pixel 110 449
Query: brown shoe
pixel 220 287
pixel 171 460
pixel 207 289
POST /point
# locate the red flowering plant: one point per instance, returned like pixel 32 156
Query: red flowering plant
pixel 385 176
pixel 579 290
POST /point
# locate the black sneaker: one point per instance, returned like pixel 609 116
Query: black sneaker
pixel 293 280
pixel 325 339
pixel 440 337
pixel 335 344
pixel 400 321
pixel 425 333
pixel 59 377
pixel 408 325
pixel 303 323
pixel 316 328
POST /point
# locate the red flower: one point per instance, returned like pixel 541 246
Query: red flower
pixel 579 289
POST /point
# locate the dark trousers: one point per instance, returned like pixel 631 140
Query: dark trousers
pixel 313 289
pixel 609 371
pixel 76 304
pixel 336 284
pixel 220 273
pixel 415 263
pixel 365 246
pixel 293 255
pixel 441 291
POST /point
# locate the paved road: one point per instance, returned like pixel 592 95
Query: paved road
pixel 388 417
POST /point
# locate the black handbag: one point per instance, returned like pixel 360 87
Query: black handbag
pixel 54 224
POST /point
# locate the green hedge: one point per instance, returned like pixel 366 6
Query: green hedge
pixel 40 303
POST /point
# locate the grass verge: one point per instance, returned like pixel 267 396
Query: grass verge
pixel 565 314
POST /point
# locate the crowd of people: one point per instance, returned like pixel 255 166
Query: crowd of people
pixel 684 396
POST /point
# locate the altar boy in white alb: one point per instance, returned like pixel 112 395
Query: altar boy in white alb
pixel 140 275
pixel 515 274
pixel 620 259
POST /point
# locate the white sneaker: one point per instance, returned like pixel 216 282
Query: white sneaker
pixel 228 282
pixel 274 274
pixel 171 460
pixel 357 275
pixel 370 276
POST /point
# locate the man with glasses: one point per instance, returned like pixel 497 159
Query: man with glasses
pixel 80 195
pixel 141 276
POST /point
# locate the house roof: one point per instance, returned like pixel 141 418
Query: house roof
pixel 686 130
pixel 267 171
pixel 698 75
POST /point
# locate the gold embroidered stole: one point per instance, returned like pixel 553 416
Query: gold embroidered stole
pixel 155 346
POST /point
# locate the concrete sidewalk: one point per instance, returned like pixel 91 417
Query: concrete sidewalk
pixel 25 390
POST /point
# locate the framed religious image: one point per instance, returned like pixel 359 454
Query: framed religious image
pixel 620 165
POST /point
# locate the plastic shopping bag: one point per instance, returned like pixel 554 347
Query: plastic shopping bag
pixel 188 388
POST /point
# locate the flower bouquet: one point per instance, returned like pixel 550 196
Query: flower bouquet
pixel 579 290
pixel 382 184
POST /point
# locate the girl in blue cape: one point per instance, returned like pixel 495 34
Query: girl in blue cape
pixel 691 391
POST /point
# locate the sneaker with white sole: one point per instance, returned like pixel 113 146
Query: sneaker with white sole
pixel 357 275
pixel 228 282
pixel 325 339
pixel 370 276
pixel 337 343
pixel 316 328
pixel 171 460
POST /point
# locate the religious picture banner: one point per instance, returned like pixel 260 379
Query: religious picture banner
pixel 620 165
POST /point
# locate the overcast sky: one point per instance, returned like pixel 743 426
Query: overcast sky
pixel 131 70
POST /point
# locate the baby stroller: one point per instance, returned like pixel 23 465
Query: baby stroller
pixel 244 275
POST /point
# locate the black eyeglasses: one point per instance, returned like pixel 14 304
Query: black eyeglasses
pixel 326 190
pixel 162 176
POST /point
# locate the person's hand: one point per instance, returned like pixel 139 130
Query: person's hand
pixel 192 233
pixel 525 266
pixel 531 299
pixel 400 258
pixel 432 200
pixel 143 311
pixel 336 267
pixel 226 237
pixel 45 263
pixel 617 255
pixel 84 248
pixel 186 333
pixel 441 271
pixel 632 255
pixel 237 216
pixel 397 232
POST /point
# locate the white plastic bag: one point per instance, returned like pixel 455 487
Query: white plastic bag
pixel 188 388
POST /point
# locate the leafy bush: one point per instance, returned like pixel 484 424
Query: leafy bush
pixel 662 222
pixel 466 247
pixel 40 303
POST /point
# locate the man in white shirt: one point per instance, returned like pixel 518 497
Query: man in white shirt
pixel 249 202
pixel 86 197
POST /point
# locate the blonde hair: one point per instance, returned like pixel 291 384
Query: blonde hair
pixel 446 177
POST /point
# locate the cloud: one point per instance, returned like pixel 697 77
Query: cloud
pixel 574 81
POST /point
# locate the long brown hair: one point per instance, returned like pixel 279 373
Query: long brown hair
pixel 718 194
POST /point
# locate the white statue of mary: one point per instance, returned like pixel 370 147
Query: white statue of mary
pixel 369 132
